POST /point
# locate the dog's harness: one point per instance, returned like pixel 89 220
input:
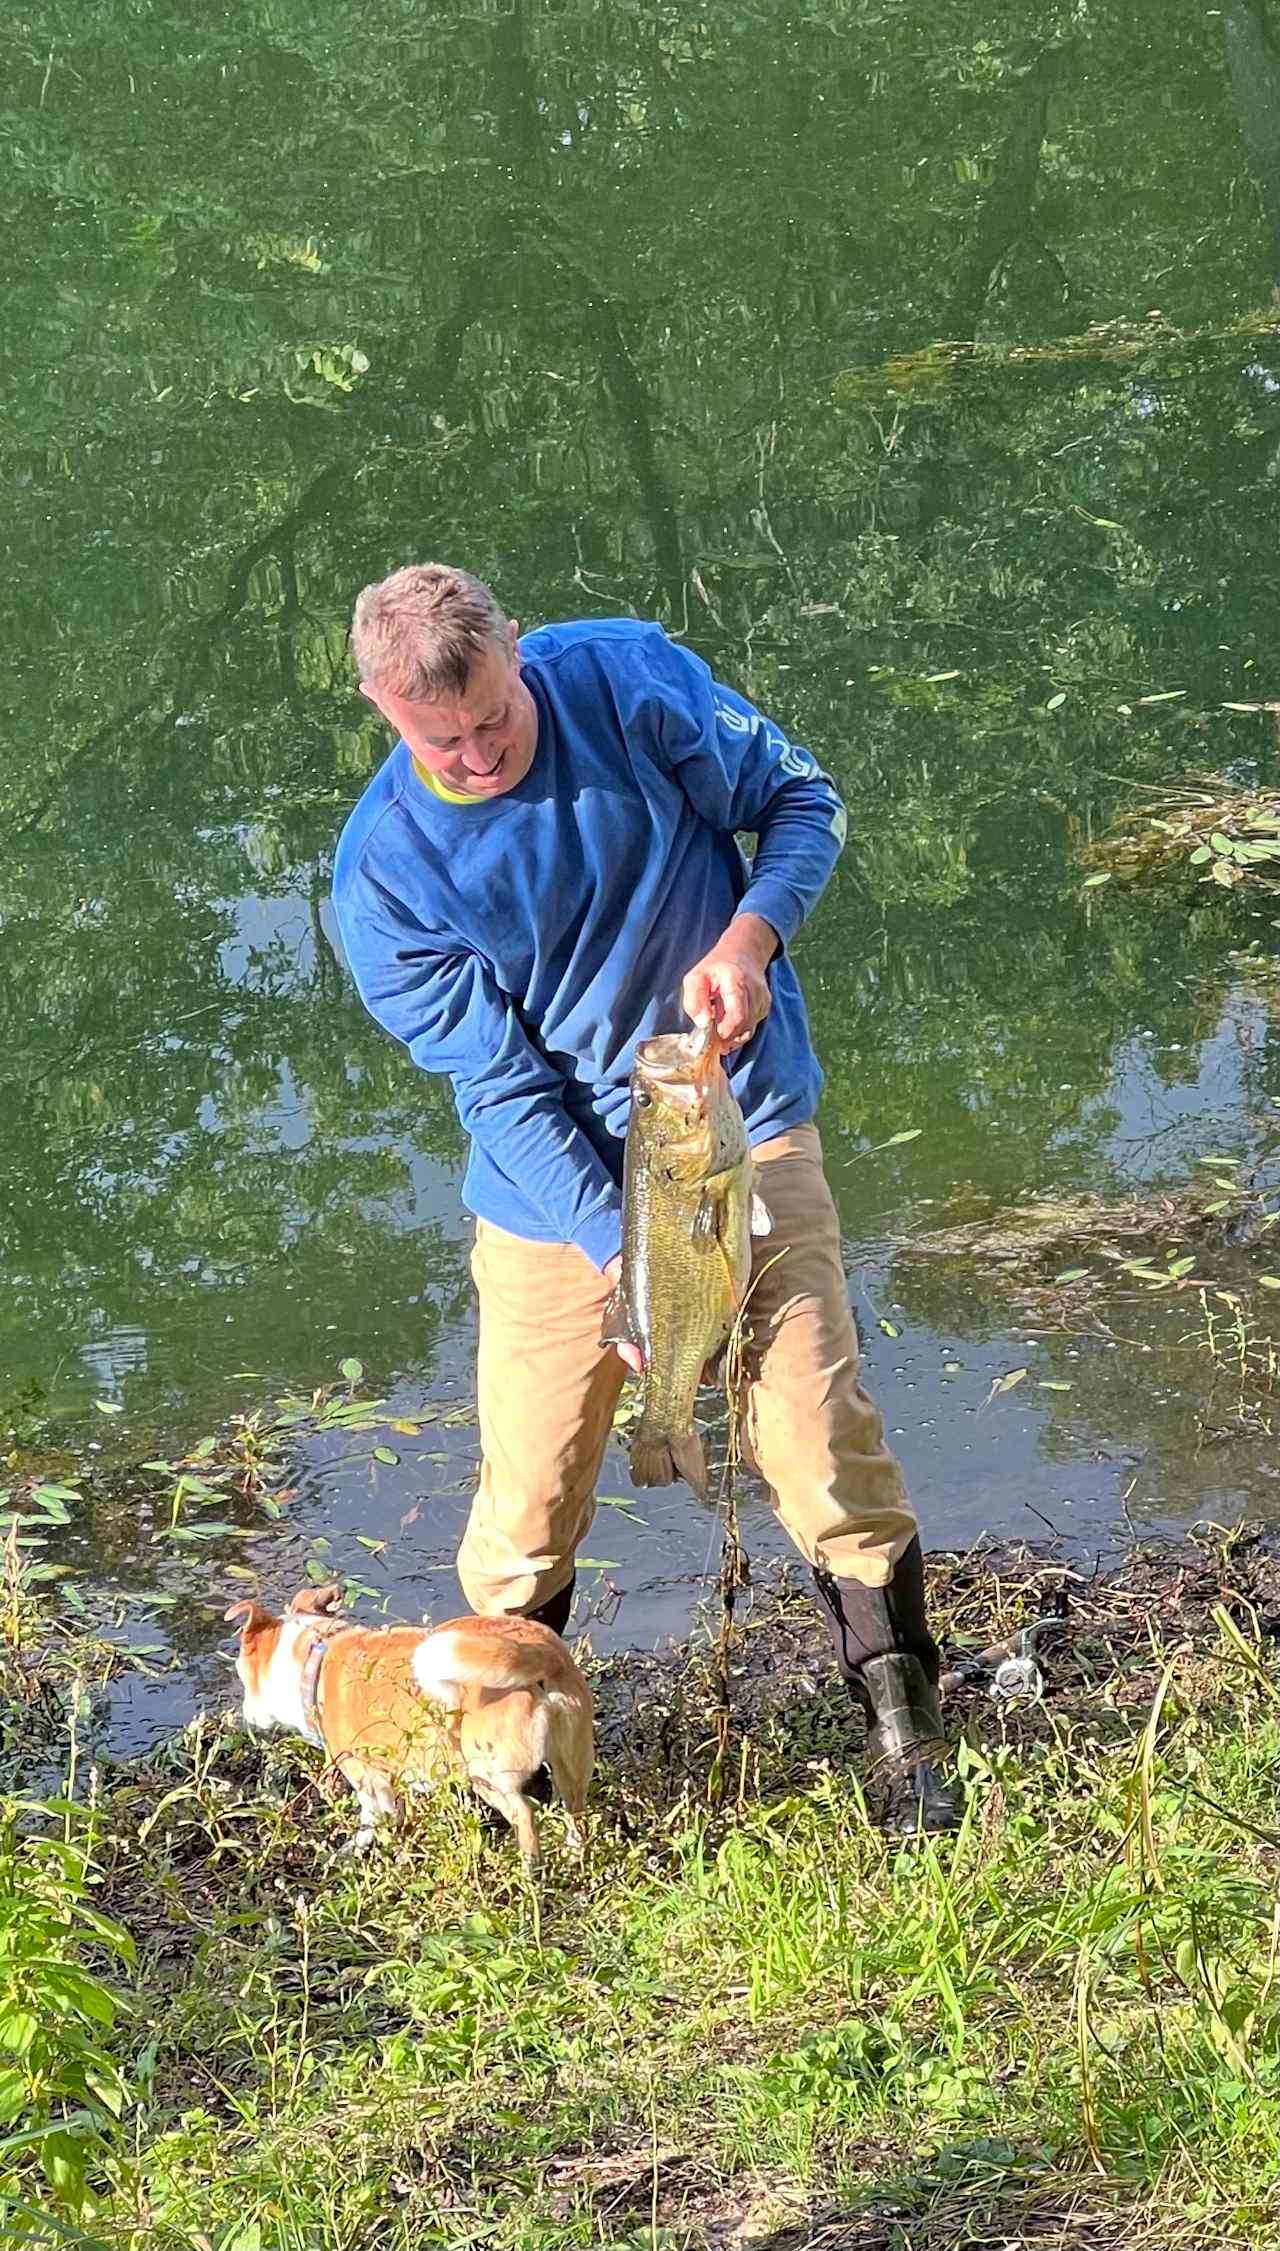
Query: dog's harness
pixel 323 1631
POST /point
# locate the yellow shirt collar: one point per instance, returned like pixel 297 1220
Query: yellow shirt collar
pixel 437 787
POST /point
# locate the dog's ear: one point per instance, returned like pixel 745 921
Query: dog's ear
pixel 254 1614
pixel 317 1602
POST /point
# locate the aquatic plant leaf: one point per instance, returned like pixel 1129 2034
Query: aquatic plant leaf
pixel 351 1369
pixel 386 1454
pixel 1093 882
pixel 1072 1274
pixel 1055 703
pixel 1221 843
pixel 1202 853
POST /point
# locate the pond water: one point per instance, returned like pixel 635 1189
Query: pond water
pixel 780 325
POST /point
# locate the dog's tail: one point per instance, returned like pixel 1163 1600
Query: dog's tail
pixel 495 1653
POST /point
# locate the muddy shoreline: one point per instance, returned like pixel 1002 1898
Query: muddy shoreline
pixel 1099 1625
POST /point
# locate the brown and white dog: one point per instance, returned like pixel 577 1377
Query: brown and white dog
pixel 405 1706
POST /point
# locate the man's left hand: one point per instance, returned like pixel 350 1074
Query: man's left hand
pixel 729 987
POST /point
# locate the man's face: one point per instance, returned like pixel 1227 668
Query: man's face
pixel 481 742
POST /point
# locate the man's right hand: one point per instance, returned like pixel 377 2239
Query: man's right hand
pixel 630 1354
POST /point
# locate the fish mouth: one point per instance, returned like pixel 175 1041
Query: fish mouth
pixel 670 1066
pixel 677 1058
pixel 667 1056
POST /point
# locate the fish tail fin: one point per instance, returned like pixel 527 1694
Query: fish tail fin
pixel 663 1457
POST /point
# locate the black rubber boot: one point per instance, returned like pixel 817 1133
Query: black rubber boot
pixel 554 1612
pixel 889 1661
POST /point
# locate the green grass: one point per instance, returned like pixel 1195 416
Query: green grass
pixel 737 2022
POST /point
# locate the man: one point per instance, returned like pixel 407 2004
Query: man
pixel 544 872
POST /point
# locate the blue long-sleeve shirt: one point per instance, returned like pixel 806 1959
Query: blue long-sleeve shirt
pixel 523 944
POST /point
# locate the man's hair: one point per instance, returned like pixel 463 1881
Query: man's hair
pixel 418 633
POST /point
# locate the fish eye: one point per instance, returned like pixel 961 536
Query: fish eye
pixel 643 1098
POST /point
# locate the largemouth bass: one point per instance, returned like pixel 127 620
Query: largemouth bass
pixel 688 1218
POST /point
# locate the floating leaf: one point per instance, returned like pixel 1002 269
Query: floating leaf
pixel 375 1547
pixel 351 1369
pixel 910 1133
pixel 1242 707
pixel 1046 1386
pixel 1270 1281
pixel 1092 882
pixel 932 679
pixel 888 1328
pixel 1072 1274
pixel 1004 1383
pixel 1202 853
pixel 595 1563
pixel 1221 843
pixel 1055 703
pixel 385 1454
pixel 1164 695
pixel 108 1407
